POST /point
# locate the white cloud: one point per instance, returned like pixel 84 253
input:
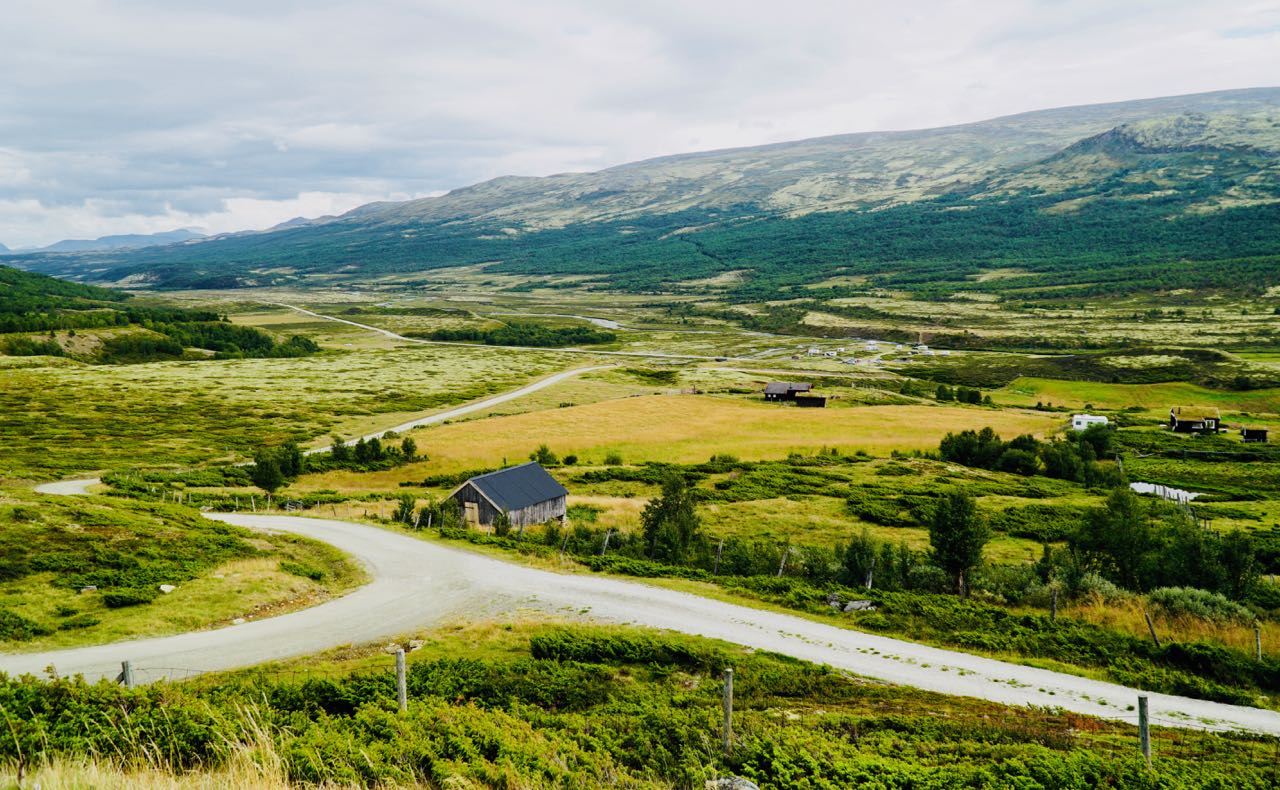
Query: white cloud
pixel 144 115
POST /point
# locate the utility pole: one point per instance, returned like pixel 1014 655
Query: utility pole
pixel 715 571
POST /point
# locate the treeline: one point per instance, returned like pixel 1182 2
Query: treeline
pixel 1075 459
pixel 275 467
pixel 522 334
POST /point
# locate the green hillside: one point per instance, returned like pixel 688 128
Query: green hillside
pixel 1079 201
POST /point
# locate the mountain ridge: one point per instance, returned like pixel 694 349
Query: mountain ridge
pixel 1047 188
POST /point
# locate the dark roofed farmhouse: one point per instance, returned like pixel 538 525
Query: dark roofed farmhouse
pixel 527 494
pixel 785 390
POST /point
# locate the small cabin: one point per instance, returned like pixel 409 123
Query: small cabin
pixel 785 390
pixel 1252 435
pixel 811 401
pixel 527 494
pixel 1188 421
pixel 1083 422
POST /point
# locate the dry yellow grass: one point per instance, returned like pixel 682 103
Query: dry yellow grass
pixel 1127 616
pixel 689 428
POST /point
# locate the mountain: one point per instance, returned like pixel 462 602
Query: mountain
pixel 3 249
pixel 124 242
pixel 1100 197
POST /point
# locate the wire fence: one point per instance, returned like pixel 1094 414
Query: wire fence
pixel 1199 745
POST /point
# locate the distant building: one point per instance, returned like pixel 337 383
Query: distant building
pixel 785 390
pixel 1081 422
pixel 527 494
pixel 1253 435
pixel 1188 421
pixel 811 401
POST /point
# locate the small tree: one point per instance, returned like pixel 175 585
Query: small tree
pixel 944 393
pixel 340 451
pixel 860 558
pixel 958 534
pixel 266 472
pixel 544 456
pixel 669 522
pixel 291 460
pixel 405 508
pixel 409 448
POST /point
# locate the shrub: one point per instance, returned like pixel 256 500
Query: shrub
pixel 300 569
pixel 613 459
pixel 1201 604
pixel 119 599
pixel 14 627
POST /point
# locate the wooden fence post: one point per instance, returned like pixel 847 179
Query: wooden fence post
pixel 1151 627
pixel 1144 730
pixel 728 711
pixel 1257 642
pixel 126 674
pixel 715 571
pixel 402 688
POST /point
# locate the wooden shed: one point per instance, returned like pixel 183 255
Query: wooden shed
pixel 527 494
pixel 811 401
pixel 1253 435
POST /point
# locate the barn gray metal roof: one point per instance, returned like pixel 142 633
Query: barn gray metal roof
pixel 519 487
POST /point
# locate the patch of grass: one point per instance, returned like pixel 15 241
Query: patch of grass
pixel 88 570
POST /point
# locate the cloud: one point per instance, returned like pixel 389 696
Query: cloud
pixel 143 115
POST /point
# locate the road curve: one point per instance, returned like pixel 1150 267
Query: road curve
pixel 473 407
pixel 78 487
pixel 417 584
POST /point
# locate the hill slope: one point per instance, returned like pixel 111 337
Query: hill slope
pixel 1103 196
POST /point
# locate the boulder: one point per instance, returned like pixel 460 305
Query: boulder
pixel 167 588
pixel 731 783
pixel 860 606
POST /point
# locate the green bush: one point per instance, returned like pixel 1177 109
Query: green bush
pixel 1201 604
pixel 119 599
pixel 16 628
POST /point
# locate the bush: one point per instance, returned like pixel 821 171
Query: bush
pixel 119 599
pixel 16 628
pixel 1201 604
pixel 300 569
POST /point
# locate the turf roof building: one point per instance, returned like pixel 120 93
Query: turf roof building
pixel 526 494
pixel 1185 421
pixel 785 390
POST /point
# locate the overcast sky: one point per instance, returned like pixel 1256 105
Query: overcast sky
pixel 136 116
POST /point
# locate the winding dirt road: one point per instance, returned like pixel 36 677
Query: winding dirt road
pixel 417 584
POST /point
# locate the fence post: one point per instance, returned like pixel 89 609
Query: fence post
pixel 605 548
pixel 715 571
pixel 126 674
pixel 402 688
pixel 782 566
pixel 728 711
pixel 1257 642
pixel 1144 730
pixel 1151 627
pixel 1053 607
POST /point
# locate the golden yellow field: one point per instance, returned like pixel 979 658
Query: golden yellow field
pixel 686 429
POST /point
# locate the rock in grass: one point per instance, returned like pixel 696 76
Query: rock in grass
pixel 167 588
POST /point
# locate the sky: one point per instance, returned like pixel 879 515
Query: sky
pixel 139 116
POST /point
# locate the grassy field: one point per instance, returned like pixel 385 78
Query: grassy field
pixel 1156 399
pixel 62 560
pixel 63 419
pixel 688 428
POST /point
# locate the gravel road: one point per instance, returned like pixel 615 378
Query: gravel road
pixel 417 584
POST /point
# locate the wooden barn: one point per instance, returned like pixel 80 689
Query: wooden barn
pixel 527 494
pixel 785 390
pixel 1252 435
pixel 1186 421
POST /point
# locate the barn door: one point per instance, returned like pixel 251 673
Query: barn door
pixel 472 513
